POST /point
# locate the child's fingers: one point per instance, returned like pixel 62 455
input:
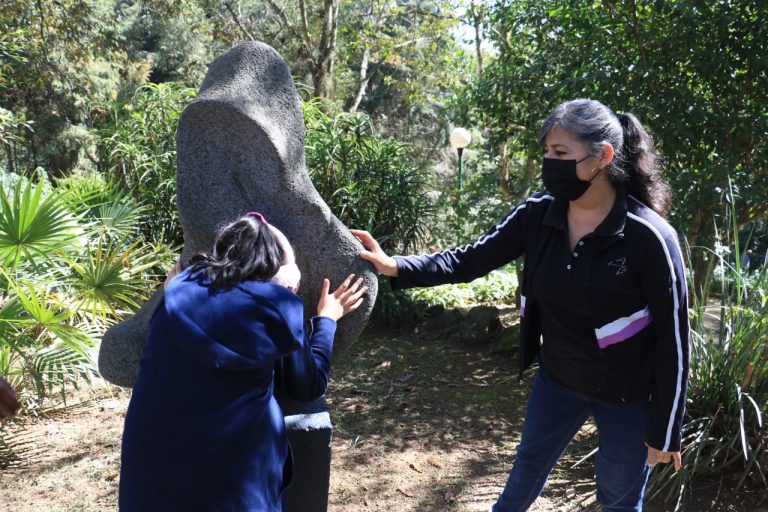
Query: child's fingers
pixel 355 305
pixel 343 286
pixel 356 295
pixel 352 289
pixel 326 287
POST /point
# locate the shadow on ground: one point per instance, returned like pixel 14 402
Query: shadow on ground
pixel 430 424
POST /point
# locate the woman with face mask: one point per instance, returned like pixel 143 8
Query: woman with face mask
pixel 603 306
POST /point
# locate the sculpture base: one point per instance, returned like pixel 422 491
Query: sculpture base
pixel 310 434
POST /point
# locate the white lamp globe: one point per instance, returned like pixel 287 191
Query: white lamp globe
pixel 460 138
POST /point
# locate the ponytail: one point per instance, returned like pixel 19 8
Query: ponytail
pixel 642 165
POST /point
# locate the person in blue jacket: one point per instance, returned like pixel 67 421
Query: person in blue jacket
pixel 603 306
pixel 203 431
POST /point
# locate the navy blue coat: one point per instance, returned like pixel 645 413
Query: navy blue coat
pixel 203 430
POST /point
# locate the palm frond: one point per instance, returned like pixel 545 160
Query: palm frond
pixel 34 226
pixel 112 280
pixel 113 212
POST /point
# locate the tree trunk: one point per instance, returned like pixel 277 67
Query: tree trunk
pixel 9 156
pixel 700 236
pixel 531 170
pixel 363 81
pixel 322 75
pixel 477 16
pixel 502 170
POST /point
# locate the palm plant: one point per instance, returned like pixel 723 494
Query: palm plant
pixel 70 265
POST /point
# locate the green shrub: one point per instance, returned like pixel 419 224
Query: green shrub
pixel 137 150
pixel 724 431
pixel 369 182
pixel 498 287
pixel 70 265
pixel 468 213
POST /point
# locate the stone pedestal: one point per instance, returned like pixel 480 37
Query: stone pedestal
pixel 310 434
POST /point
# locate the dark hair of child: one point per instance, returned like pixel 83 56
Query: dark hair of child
pixel 245 250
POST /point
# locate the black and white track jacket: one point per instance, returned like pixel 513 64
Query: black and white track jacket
pixel 640 324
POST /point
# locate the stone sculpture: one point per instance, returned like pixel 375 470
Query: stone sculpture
pixel 240 148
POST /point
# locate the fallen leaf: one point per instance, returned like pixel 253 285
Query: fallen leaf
pixel 434 462
pixel 365 500
pixel 385 364
pixel 404 493
pixel 413 467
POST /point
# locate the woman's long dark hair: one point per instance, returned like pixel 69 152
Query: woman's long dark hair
pixel 636 161
pixel 245 250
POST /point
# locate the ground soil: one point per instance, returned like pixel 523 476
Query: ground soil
pixel 421 424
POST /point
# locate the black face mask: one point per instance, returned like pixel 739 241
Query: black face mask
pixel 561 180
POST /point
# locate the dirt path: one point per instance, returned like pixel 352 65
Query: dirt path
pixel 420 425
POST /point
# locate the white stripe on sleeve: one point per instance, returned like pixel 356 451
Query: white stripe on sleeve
pixel 676 315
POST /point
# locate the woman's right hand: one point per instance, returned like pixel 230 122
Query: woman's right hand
pixel 384 264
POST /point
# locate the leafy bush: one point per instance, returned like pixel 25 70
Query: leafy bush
pixel 70 265
pixel 137 150
pixel 497 287
pixel 368 182
pixel 724 430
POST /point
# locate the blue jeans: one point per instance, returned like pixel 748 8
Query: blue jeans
pixel 554 416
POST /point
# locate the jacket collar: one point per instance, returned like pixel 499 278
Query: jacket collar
pixel 613 224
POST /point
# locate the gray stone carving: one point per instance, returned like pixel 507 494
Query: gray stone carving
pixel 240 148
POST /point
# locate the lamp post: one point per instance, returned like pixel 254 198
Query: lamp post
pixel 460 138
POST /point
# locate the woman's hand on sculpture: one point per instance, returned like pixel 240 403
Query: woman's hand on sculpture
pixel 345 299
pixel 655 456
pixel 384 264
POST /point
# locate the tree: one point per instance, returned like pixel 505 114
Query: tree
pixel 317 47
pixel 391 38
pixel 70 264
pixel 692 71
pixel 56 57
